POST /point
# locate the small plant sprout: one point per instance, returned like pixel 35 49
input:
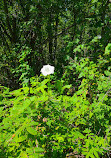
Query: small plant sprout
pixel 47 70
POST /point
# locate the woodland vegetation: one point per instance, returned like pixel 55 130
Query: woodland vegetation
pixel 69 111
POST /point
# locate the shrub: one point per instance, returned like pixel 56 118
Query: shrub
pixel 52 118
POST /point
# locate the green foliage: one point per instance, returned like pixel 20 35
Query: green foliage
pixel 50 30
pixel 46 116
pixel 24 68
pixel 45 119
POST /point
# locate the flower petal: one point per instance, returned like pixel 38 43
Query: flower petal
pixel 47 70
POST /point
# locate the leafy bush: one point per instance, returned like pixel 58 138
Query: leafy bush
pixel 47 118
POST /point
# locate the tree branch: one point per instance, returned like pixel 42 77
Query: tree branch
pixel 4 30
pixel 7 17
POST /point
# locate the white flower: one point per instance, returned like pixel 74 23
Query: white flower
pixel 47 70
pixel 99 36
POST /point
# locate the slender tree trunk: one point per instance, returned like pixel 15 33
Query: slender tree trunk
pixel 7 16
pixel 73 29
pixel 55 40
pixel 104 7
pixel 4 41
pixel 12 29
pixel 50 35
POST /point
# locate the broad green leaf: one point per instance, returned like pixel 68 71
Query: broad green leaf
pixel 31 130
pixel 96 154
pixel 33 98
pixel 66 86
pixel 90 114
pixel 60 139
pixel 82 74
pixel 38 150
pixel 91 155
pixel 88 155
pixel 20 139
pixel 44 82
pixel 29 151
pixel 23 154
pixel 87 130
pixel 108 49
pixel 108 73
pixel 34 156
pixel 94 1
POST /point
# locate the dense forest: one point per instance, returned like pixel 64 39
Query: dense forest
pixel 55 78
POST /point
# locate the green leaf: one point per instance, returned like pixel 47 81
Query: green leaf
pixel 66 86
pixel 87 130
pixel 108 49
pixel 49 122
pixel 23 154
pixel 77 41
pixel 91 155
pixel 88 155
pixel 82 74
pixel 20 139
pixel 33 98
pixel 38 150
pixel 44 82
pixel 59 85
pixel 90 114
pixel 60 139
pixel 29 151
pixel 94 1
pixel 31 130
pixel 107 73
pixel 96 154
